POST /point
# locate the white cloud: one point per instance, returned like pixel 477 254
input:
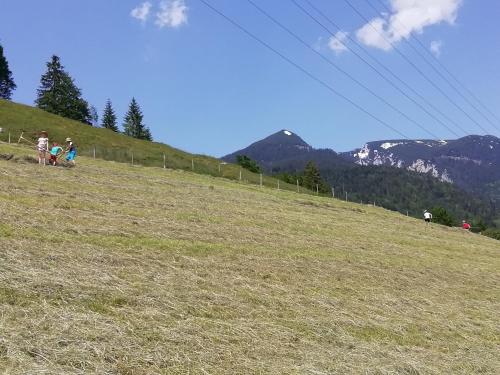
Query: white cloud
pixel 436 47
pixel 337 42
pixel 142 11
pixel 172 13
pixel 407 17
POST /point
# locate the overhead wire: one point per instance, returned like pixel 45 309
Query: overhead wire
pixel 453 76
pixel 377 71
pixel 301 68
pixel 340 69
pixel 420 71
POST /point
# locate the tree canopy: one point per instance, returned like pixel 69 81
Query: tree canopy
pixel 109 117
pixel 133 125
pixel 312 179
pixel 58 94
pixel 7 84
pixel 247 163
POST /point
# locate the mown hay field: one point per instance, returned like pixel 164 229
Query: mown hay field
pixel 107 268
pixel 18 120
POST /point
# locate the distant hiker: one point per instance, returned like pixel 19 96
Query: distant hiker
pixel 427 216
pixel 42 147
pixel 55 152
pixel 465 225
pixel 70 151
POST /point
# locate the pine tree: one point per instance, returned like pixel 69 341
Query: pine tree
pixel 248 163
pixel 441 216
pixel 109 117
pixel 312 176
pixel 133 125
pixel 58 94
pixel 94 116
pixel 7 84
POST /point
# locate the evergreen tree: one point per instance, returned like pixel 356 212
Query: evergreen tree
pixel 7 84
pixel 248 163
pixel 109 117
pixel 312 179
pixel 94 116
pixel 133 125
pixel 58 94
pixel 441 216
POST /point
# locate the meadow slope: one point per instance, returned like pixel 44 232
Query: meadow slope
pixel 112 269
pixel 19 119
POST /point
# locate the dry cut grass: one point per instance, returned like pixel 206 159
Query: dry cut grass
pixel 111 269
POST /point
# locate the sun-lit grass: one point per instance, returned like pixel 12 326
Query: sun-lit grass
pixel 112 269
pixel 17 119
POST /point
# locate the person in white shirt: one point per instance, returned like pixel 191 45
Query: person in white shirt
pixel 427 216
pixel 42 147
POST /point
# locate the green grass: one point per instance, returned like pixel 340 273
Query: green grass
pixel 112 269
pixel 18 119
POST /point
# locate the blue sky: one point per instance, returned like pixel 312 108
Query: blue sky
pixel 206 87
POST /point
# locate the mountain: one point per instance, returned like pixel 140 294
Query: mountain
pixel 285 151
pixel 472 162
pixel 425 177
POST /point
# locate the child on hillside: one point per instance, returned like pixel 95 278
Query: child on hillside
pixel 70 151
pixel 55 152
pixel 42 147
pixel 465 225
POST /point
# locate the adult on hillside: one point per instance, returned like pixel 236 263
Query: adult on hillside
pixel 42 147
pixel 427 216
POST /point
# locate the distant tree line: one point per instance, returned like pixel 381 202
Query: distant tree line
pixel 59 94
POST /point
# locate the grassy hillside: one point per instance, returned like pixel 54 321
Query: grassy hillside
pixel 109 268
pixel 17 118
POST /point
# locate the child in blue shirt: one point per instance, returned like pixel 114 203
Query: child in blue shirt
pixel 55 152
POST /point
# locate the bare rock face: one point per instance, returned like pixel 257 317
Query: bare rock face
pixel 470 162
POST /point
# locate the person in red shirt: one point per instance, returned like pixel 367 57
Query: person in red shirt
pixel 465 225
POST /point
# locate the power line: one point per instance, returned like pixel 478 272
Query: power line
pixel 300 68
pixel 330 62
pixel 444 68
pixel 378 71
pixel 420 71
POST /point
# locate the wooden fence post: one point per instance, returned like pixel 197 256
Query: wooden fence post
pixel 164 161
pixel 261 180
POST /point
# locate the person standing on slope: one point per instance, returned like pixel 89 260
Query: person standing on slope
pixel 427 216
pixel 70 151
pixel 42 147
pixel 465 225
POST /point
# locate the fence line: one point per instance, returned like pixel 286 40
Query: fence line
pixel 121 155
pixel 133 158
